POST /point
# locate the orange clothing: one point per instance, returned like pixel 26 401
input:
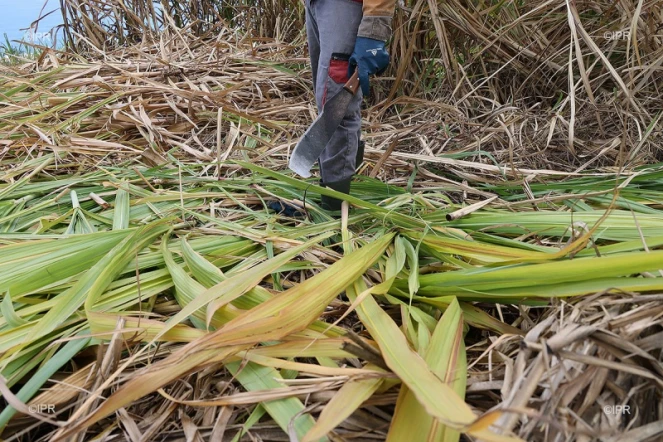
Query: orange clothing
pixel 379 8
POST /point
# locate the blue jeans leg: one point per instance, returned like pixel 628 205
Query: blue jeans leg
pixel 331 28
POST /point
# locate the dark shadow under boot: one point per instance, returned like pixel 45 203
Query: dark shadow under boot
pixel 360 154
pixel 329 203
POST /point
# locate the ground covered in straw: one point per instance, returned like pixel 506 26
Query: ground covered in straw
pixel 149 293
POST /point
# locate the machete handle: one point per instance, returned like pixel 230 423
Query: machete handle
pixel 353 83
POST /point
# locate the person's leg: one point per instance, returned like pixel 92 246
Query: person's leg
pixel 337 23
pixel 360 154
pixel 313 37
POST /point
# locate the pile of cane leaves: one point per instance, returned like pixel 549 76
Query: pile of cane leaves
pixel 177 269
pixel 147 292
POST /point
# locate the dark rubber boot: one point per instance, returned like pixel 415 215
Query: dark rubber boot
pixel 333 204
pixel 360 154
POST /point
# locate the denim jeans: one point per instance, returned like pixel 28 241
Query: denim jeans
pixel 331 28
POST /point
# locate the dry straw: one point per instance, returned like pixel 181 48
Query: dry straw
pixel 499 271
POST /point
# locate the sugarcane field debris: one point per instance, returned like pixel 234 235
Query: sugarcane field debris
pixel 496 273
